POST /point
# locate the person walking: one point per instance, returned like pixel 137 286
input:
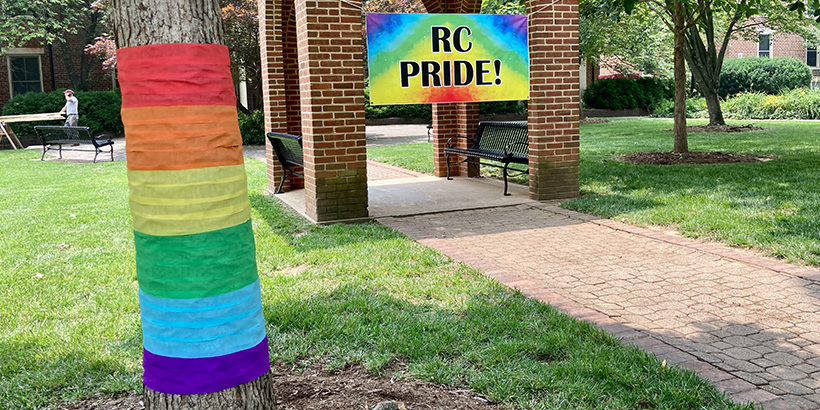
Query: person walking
pixel 70 110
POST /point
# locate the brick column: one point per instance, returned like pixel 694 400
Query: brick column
pixel 277 44
pixel 445 126
pixel 467 127
pixel 331 78
pixel 554 100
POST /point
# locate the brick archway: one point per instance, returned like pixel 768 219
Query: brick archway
pixel 314 87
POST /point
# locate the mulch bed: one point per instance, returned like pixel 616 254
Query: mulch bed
pixel 693 157
pixel 594 121
pixel 349 388
pixel 696 157
pixel 721 128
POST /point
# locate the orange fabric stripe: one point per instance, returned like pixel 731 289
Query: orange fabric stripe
pixel 181 137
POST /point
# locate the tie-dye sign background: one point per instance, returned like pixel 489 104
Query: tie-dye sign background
pixel 437 58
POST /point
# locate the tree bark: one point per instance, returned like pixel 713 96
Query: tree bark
pixel 145 22
pixel 681 142
pixel 255 395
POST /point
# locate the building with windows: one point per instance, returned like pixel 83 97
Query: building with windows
pixel 773 44
pixel 38 67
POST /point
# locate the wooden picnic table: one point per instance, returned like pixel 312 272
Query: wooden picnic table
pixel 5 129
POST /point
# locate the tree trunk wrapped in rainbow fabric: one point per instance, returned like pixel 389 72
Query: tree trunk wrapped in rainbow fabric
pixel 200 300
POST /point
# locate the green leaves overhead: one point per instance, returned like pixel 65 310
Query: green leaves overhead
pixel 50 20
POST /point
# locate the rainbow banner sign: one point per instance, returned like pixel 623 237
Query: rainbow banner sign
pixel 444 58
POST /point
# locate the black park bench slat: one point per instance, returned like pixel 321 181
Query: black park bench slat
pixel 51 135
pixel 288 150
pixel 503 142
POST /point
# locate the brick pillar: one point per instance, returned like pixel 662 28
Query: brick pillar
pixel 554 100
pixel 445 126
pixel 278 54
pixel 331 77
pixel 467 127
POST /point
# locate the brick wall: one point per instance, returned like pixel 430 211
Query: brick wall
pixel 554 107
pixel 782 45
pixel 98 79
pixel 331 79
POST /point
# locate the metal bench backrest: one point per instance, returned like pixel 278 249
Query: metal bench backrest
pixel 287 147
pixel 49 133
pixel 495 136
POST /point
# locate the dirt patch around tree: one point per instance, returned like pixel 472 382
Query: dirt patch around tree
pixel 692 157
pixel 721 128
pixel 594 121
pixel 349 388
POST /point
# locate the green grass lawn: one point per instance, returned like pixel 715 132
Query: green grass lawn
pixel 334 294
pixel 772 206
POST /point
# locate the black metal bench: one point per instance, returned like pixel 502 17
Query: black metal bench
pixel 288 150
pixel 51 135
pixel 503 142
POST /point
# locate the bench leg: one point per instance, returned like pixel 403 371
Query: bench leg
pixel 281 184
pixel 505 179
pixel 60 150
pixel 45 148
pixel 96 152
pixel 447 159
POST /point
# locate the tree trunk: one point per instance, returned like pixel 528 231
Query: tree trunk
pixel 159 22
pixel 705 64
pixel 254 395
pixel 713 106
pixel 681 142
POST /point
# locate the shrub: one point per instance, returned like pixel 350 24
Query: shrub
pixel 801 103
pixel 768 75
pixel 424 111
pixel 695 108
pixel 627 93
pixel 252 127
pixel 99 110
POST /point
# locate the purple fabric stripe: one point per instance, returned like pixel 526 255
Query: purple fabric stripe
pixel 172 375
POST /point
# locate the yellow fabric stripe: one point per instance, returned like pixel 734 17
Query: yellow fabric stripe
pixel 189 201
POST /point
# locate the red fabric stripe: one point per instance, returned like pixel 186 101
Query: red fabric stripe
pixel 162 75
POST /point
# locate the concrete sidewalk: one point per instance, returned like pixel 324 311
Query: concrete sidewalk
pixel 746 323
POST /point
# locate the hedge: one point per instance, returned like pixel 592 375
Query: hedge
pixel 99 110
pixel 768 75
pixel 627 93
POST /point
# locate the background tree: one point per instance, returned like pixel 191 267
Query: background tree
pixel 678 16
pixel 241 22
pixel 393 6
pixel 53 22
pixel 706 42
pixel 639 40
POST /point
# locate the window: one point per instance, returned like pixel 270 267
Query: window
pixel 24 74
pixel 764 45
pixel 811 56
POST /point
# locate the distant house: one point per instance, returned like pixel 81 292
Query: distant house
pixel 41 68
pixel 772 44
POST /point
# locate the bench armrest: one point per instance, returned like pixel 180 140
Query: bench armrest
pixel 508 146
pixel 450 140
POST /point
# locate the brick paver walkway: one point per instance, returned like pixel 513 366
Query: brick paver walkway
pixel 748 324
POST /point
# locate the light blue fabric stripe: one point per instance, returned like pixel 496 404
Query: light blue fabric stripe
pixel 207 327
pixel 200 304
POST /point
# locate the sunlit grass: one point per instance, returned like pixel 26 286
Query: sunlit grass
pixel 333 294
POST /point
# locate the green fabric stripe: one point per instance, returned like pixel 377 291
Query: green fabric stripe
pixel 196 266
